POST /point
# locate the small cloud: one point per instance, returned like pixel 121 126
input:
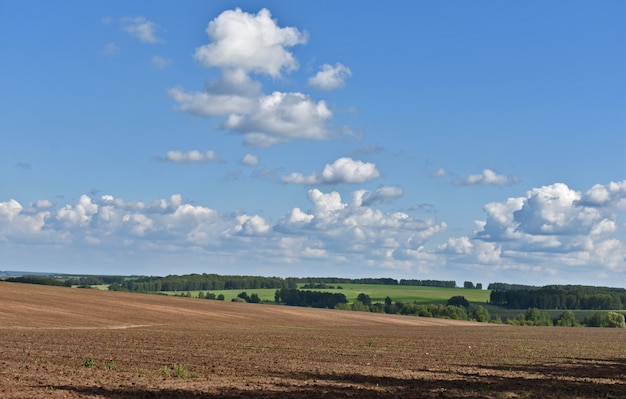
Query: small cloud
pixel 441 172
pixel 191 156
pixel 112 50
pixel 250 160
pixel 160 62
pixel 428 208
pixel 106 20
pixel 330 77
pixel 385 194
pixel 23 165
pixel 140 28
pixel 487 177
pixel 343 170
pixel 43 204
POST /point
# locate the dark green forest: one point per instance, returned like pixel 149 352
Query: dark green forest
pixel 559 297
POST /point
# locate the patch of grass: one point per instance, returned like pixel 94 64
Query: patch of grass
pixel 89 362
pixel 109 365
pixel 178 371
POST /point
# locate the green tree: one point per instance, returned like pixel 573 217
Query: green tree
pixel 567 319
pixel 220 297
pixel 458 300
pixel 469 285
pixel 615 320
pixel 364 299
pixel 360 306
pixel 535 317
pixel 254 298
pixel 481 314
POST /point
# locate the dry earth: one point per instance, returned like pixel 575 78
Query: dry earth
pixel 73 343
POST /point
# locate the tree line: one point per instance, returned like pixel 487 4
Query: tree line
pixel 201 282
pixel 314 299
pixel 570 297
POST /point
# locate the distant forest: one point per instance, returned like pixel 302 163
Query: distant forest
pixel 558 297
pixel 195 282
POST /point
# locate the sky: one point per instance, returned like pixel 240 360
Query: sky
pixel 479 141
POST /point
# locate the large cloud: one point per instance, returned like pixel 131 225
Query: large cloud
pixel 253 43
pixel 343 170
pixel 243 44
pixel 551 227
pixel 331 229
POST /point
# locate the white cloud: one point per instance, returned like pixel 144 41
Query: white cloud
pixel 206 104
pixel 382 195
pixel 330 77
pixel 250 160
pixel 553 227
pixel 140 28
pixel 79 214
pixel 487 177
pixel 192 156
pixel 15 223
pixel 112 50
pixel 249 42
pixel 241 44
pixel 281 117
pixel 343 170
pixel 441 172
pixel 160 62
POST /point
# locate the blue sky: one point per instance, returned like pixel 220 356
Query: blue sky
pixel 480 141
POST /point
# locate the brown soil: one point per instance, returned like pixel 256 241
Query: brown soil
pixel 72 343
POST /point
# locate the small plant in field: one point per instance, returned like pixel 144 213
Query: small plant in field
pixel 166 371
pixel 109 365
pixel 181 372
pixel 89 362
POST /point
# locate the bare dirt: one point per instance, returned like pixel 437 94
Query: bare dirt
pixel 75 343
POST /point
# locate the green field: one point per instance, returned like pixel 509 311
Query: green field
pixel 409 294
pixel 377 293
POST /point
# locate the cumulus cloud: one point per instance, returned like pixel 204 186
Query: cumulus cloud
pixel 243 44
pixel 250 160
pixel 487 177
pixel 140 28
pixel 343 170
pixel 250 42
pixel 551 227
pixel 330 77
pixel 331 229
pixel 281 117
pixel 191 156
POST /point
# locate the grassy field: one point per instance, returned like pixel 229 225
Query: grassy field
pixel 378 293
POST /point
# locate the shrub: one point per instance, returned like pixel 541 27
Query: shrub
pixel 567 319
pixel 615 320
pixel 89 362
pixel 481 314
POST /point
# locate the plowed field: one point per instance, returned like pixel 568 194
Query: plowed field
pixel 72 343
